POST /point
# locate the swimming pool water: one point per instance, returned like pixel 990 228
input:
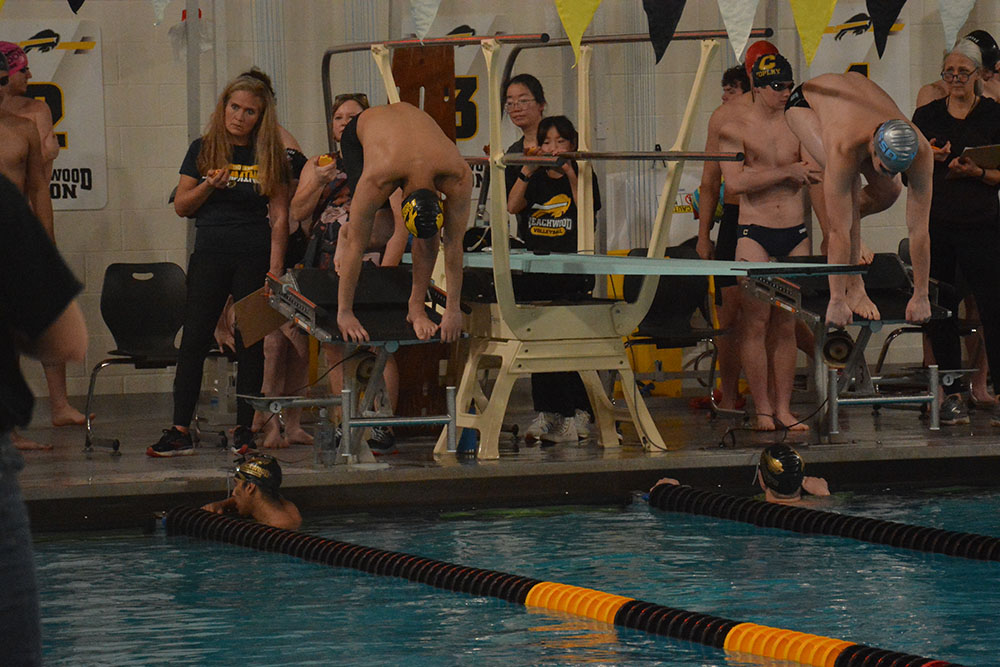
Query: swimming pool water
pixel 131 599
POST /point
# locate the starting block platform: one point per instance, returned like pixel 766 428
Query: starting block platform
pixel 850 381
pixel 308 297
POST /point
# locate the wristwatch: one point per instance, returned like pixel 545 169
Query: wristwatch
pixel 522 176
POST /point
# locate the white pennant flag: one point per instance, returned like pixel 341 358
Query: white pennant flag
pixel 953 16
pixel 423 12
pixel 738 17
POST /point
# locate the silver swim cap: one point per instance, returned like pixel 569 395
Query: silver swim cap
pixel 896 145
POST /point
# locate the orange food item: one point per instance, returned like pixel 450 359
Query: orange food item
pixel 214 173
pixel 324 160
pixel 532 150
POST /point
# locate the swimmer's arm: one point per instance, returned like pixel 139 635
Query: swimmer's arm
pixel 918 210
pixel 221 506
pixel 396 245
pixel 711 181
pixel 37 184
pixel 277 212
pixel 818 202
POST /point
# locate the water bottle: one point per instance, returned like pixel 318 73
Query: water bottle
pixel 215 400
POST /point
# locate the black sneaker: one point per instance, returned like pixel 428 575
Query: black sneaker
pixel 953 411
pixel 243 441
pixel 382 442
pixel 173 443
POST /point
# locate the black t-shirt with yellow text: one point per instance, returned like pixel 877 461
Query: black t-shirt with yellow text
pixel 552 224
pixel 233 219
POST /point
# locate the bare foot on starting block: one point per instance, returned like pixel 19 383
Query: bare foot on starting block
pixel 857 299
pixel 791 422
pixel 67 415
pixel 26 445
pixel 297 436
pixel 764 423
pixel 350 328
pixel 422 324
pixel 272 436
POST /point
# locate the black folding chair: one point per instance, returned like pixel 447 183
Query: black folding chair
pixel 143 306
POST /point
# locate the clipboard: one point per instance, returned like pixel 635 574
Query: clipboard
pixel 255 318
pixel 986 157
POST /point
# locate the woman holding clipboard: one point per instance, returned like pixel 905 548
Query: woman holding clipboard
pixel 965 211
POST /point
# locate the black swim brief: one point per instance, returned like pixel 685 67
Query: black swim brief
pixel 777 242
pixel 797 99
pixel 352 154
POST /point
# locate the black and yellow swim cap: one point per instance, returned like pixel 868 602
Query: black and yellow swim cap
pixel 770 68
pixel 262 470
pixel 422 213
pixel 781 468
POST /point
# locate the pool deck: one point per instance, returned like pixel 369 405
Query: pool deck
pixel 67 489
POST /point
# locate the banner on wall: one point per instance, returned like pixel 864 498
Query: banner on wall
pixel 848 45
pixel 66 73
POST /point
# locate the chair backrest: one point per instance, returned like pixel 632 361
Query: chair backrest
pixel 904 250
pixel 677 297
pixel 143 305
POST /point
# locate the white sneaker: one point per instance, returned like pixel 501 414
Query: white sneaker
pixel 541 425
pixel 582 420
pixel 562 431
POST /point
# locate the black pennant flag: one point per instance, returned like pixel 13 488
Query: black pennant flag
pixel 663 16
pixel 75 5
pixel 883 14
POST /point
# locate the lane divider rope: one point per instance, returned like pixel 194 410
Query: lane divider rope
pixel 626 612
pixel 674 498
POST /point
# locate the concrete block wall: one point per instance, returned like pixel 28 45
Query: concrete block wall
pixel 145 119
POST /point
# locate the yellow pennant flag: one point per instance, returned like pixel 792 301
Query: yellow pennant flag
pixel 811 19
pixel 1 4
pixel 576 15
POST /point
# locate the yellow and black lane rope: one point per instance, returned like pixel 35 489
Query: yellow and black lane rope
pixel 627 612
pixel 674 498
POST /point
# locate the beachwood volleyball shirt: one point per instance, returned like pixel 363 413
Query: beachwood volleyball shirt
pixel 551 213
pixel 233 219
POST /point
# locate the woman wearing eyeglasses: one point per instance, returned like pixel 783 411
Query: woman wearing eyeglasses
pixel 322 203
pixel 524 102
pixel 965 213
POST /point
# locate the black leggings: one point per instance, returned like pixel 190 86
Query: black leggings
pixel 974 252
pixel 211 278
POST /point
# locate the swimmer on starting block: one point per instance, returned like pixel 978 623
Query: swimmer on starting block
pixel 255 495
pixel 398 146
pixel 852 127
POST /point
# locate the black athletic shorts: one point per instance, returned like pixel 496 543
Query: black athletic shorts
pixel 797 99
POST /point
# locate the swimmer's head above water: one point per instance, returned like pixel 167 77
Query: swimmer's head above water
pixel 263 471
pixel 781 470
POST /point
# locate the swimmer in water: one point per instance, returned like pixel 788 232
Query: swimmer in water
pixel 255 495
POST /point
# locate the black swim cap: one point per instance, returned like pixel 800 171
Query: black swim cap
pixel 262 470
pixel 422 213
pixel 987 46
pixel 770 68
pixel 781 468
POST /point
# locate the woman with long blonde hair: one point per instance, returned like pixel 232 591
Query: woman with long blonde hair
pixel 234 183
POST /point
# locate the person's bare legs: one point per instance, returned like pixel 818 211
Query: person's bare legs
pixel 805 340
pixel 729 348
pixel 62 413
pixel 753 346
pixel 975 349
pixel 424 256
pixel 783 351
pixel 296 382
pixel 275 347
pixel 857 297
